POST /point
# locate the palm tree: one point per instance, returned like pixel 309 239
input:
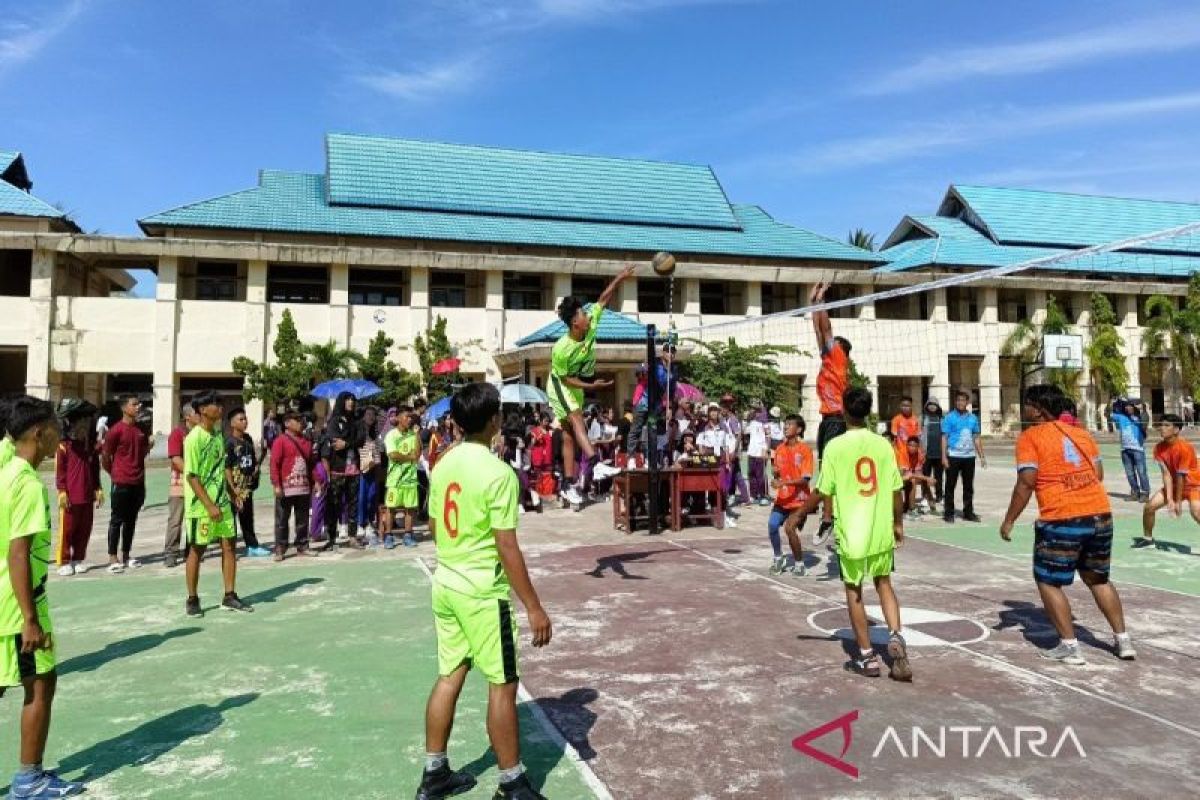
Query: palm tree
pixel 1106 363
pixel 861 239
pixel 330 360
pixel 1172 331
pixel 1025 345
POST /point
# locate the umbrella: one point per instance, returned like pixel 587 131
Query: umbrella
pixel 446 366
pixel 523 393
pixel 358 387
pixel 687 392
pixel 437 410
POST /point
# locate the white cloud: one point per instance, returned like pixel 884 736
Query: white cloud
pixel 22 40
pixel 975 129
pixel 1156 35
pixel 422 84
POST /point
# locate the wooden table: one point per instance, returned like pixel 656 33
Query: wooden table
pixel 697 479
pixel 633 482
pixel 676 482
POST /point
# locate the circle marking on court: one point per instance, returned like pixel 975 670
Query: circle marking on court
pixel 922 627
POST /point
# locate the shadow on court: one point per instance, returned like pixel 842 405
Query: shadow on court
pixel 1037 629
pixel 276 592
pixel 616 564
pixel 90 662
pixel 150 740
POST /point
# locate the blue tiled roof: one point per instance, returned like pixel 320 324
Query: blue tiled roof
pixel 15 202
pixel 7 157
pixel 614 328
pixel 296 202
pixel 433 176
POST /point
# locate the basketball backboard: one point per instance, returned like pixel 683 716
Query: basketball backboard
pixel 1062 351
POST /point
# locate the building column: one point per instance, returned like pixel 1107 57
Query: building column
pixel 1086 407
pixel 166 325
pixel 41 317
pixel 627 297
pixel 1036 299
pixel 257 333
pixel 939 384
pixel 339 304
pixel 991 417
pixel 753 299
pixel 418 314
pixel 561 287
pixel 494 305
pixel 1132 334
pixel 691 303
pixel 866 311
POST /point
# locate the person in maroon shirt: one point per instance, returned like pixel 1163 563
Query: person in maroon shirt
pixel 292 478
pixel 125 449
pixel 77 479
pixel 189 418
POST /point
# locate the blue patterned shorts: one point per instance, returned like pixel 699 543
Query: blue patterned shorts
pixel 1064 546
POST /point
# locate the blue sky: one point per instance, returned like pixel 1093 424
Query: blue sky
pixel 830 116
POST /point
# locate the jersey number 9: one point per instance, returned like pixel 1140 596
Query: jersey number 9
pixel 864 470
pixel 450 510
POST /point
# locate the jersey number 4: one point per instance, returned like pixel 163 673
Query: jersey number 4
pixel 868 478
pixel 450 510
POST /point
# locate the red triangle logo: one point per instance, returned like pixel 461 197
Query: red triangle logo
pixel 842 723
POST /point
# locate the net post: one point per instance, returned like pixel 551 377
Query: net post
pixel 653 400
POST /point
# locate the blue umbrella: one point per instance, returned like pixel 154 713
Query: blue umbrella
pixel 438 409
pixel 360 388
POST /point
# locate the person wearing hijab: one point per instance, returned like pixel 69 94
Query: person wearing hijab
pixel 339 454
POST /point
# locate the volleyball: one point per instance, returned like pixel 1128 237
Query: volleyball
pixel 663 263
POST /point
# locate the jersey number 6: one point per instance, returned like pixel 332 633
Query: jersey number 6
pixel 864 470
pixel 450 510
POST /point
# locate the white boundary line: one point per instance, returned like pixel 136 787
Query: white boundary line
pixel 585 770
pixel 998 661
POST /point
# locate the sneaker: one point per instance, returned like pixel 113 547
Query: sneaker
pixel 867 666
pixel 81 567
pixel 354 543
pixel 535 499
pixel 571 495
pixel 132 563
pixel 444 782
pixel 517 789
pixel 408 540
pixel 342 530
pixel 602 471
pixel 912 516
pixel 372 541
pixel 1144 498
pixel 389 542
pixel 823 532
pixel 778 565
pixel 1125 650
pixel 799 570
pixel 900 671
pixel 764 501
pixel 115 569
pixel 170 561
pixel 44 784
pixel 66 570
pixel 730 520
pixel 1066 653
pixel 729 512
pixel 948 517
pixel 192 607
pixel 278 556
pixel 257 552
pixel 234 603
pixel 971 516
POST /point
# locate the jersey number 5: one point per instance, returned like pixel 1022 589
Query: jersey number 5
pixel 864 470
pixel 450 510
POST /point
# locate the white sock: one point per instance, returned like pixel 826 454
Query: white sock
pixel 1071 642
pixel 511 774
pixel 434 761
pixel 1122 636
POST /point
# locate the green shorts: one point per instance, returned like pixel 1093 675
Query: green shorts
pixel 855 571
pixel 563 399
pixel 401 497
pixel 17 667
pixel 203 532
pixel 478 632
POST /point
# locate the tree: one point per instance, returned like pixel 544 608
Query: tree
pixel 398 384
pixel 432 348
pixel 1175 332
pixel 1106 363
pixel 330 360
pixel 284 380
pixel 747 373
pixel 856 379
pixel 1025 344
pixel 861 239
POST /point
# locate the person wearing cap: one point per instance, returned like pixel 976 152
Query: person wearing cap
pixel 77 479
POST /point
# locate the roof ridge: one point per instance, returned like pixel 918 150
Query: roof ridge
pixel 235 193
pixel 1076 194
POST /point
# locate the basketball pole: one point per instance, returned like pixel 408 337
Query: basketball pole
pixel 652 403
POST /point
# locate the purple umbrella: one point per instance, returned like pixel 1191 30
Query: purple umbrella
pixel 682 392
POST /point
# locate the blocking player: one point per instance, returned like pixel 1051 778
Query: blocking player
pixel 473 499
pixel 793 467
pixel 26 633
pixel 573 369
pixel 833 380
pixel 403 448
pixel 1060 465
pixel 1181 477
pixel 860 477
pixel 208 508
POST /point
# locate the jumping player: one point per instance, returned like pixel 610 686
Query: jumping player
pixel 572 369
pixel 832 382
pixel 473 515
pixel 26 637
pixel 1060 463
pixel 860 477
pixel 1181 477
pixel 208 508
pixel 793 465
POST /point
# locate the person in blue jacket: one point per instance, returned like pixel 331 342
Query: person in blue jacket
pixel 1133 448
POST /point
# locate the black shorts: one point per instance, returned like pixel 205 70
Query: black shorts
pixel 831 427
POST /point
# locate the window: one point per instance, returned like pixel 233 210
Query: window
pixel 713 299
pixel 448 289
pixel 216 281
pixel 652 294
pixel 778 297
pixel 297 284
pixel 523 292
pixel 376 287
pixel 587 288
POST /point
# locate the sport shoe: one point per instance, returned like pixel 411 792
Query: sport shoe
pixel 115 569
pixel 571 495
pixel 132 563
pixel 170 561
pixel 823 533
pixel 408 540
pixel 257 552
pixel 373 542
pixel 602 471
pixel 948 517
pixel 1066 653
pixel 730 520
pixel 1125 649
pixel 867 666
pixel 1143 541
pixel 66 570
pixel 778 565
pixel 799 570
pixel 192 607
pixel 972 517
pixel 444 782
pixel 44 784
pixel 81 567
pixel 517 789
pixel 389 542
pixel 232 602
pixel 900 671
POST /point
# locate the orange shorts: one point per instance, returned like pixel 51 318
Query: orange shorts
pixel 1191 493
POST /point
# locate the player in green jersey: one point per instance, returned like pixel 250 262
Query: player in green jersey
pixel 473 515
pixel 401 495
pixel 207 505
pixel 860 476
pixel 26 637
pixel 573 369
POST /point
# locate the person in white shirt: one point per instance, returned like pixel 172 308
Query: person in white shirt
pixel 715 441
pixel 756 453
pixel 775 429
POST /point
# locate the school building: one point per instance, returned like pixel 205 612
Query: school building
pixel 393 233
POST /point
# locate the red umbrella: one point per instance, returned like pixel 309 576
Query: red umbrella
pixel 446 366
pixel 685 391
